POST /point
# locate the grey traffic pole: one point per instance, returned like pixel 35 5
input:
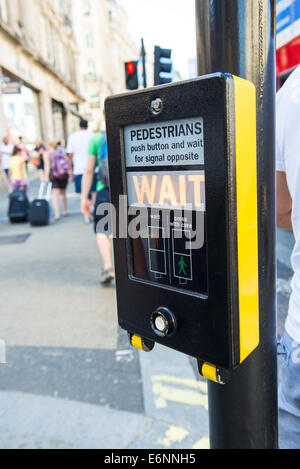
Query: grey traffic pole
pixel 143 53
pixel 238 37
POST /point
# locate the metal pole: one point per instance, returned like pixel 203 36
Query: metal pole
pixel 238 36
pixel 144 64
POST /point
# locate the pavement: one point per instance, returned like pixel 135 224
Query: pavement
pixel 71 380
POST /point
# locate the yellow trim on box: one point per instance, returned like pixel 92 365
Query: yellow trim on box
pixel 247 231
pixel 136 341
pixel 209 372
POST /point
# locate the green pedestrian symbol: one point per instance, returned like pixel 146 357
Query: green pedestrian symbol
pixel 182 266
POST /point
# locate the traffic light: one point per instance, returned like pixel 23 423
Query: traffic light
pixel 162 66
pixel 131 74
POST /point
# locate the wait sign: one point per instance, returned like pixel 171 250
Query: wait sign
pixel 173 189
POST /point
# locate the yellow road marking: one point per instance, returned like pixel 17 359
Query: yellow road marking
pixel 183 396
pixel 202 444
pixel 191 383
pixel 174 434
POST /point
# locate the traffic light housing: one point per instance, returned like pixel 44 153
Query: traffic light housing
pixel 131 75
pixel 162 66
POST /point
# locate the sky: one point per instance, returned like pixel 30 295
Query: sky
pixel 169 24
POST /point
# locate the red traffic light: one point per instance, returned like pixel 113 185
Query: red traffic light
pixel 130 68
pixel 131 75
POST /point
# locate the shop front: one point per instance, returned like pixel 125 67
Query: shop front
pixel 20 110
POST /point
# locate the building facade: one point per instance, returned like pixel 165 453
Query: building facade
pixel 39 92
pixel 104 45
pixel 60 59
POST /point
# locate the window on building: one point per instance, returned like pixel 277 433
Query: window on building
pixel 3 11
pixel 72 68
pixel 94 100
pixel 62 5
pixel 91 69
pixel 89 40
pixel 42 35
pixel 21 114
pixel 59 121
pixel 29 109
pixel 11 109
pixel 50 43
pixel 86 8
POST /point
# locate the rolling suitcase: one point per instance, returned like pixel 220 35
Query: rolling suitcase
pixel 39 211
pixel 18 206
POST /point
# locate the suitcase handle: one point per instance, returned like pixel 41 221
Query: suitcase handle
pixel 43 186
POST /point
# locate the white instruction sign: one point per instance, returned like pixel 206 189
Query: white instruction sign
pixel 171 143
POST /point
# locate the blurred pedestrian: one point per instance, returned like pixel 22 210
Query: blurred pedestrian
pixel 57 171
pixel 77 150
pixel 18 177
pixel 288 218
pixel 38 158
pixel 6 151
pixel 23 149
pixel 98 152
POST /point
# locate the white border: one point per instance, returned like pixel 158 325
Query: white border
pixel 181 254
pixel 158 250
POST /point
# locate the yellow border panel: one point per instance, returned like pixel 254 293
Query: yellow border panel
pixel 247 231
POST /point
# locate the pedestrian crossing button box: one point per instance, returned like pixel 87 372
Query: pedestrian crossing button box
pixel 184 193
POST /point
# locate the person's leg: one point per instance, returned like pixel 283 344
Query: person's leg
pixel 78 183
pixel 26 187
pixel 63 194
pixel 104 248
pixel 41 174
pixel 103 231
pixel 289 395
pixel 55 202
pixel 78 188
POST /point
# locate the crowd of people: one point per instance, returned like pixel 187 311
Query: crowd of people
pixel 58 164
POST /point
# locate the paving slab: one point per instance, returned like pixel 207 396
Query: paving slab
pixel 40 420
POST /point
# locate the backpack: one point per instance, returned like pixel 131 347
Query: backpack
pixel 103 173
pixel 59 165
